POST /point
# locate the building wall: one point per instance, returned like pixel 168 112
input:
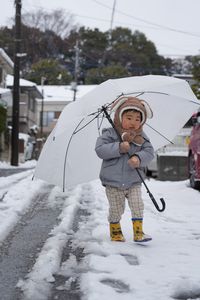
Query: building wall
pixel 51 112
pixel 2 77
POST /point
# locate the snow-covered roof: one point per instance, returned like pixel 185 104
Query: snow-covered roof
pixel 23 82
pixel 4 91
pixel 63 93
pixel 4 58
pixel 182 75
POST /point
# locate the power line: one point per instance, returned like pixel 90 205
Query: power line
pixel 99 19
pixel 116 22
pixel 148 22
pixel 158 27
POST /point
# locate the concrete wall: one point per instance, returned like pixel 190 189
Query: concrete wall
pixel 172 168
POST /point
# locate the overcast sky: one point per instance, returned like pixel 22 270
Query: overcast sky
pixel 173 25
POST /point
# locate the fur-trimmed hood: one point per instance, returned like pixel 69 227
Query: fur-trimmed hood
pixel 128 103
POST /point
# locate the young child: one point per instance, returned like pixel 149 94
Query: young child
pixel 120 159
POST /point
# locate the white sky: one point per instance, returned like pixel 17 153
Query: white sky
pixel 151 17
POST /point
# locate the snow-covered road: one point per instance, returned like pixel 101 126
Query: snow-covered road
pixel 77 257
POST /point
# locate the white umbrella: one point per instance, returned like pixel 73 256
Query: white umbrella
pixel 68 157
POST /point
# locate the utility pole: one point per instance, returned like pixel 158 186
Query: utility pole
pixel 76 69
pixel 15 106
pixel 42 106
pixel 109 45
pixel 111 24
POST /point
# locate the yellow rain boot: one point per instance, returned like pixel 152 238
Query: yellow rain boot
pixel 116 233
pixel 139 235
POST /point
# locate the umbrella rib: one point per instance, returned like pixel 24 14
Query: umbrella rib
pixel 159 133
pixel 141 93
pixel 99 124
pixel 76 131
pixel 73 133
pixel 195 102
pixel 134 93
pixel 65 160
pixel 109 104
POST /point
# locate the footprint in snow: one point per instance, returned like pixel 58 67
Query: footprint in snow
pixel 186 289
pixel 118 285
pixel 131 259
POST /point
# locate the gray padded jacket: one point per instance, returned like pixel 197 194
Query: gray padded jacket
pixel 115 170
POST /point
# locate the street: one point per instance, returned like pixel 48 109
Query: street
pixel 56 245
pixel 20 249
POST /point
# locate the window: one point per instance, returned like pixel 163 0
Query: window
pixel 48 117
pixel 31 102
pixel 57 114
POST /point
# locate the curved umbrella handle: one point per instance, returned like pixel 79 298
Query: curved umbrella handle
pixel 151 195
pixel 156 204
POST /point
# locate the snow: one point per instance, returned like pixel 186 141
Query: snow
pixel 23 82
pixel 26 165
pixel 173 153
pixel 63 93
pixel 166 268
pixel 14 201
pixel 4 91
pixel 6 58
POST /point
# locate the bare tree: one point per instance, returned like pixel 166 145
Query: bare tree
pixel 57 21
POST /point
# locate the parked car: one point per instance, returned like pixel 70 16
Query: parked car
pixel 194 153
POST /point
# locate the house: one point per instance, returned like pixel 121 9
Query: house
pixel 39 103
pixel 6 67
pixel 55 98
pixel 29 92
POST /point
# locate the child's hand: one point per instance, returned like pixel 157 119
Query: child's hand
pixel 124 147
pixel 134 162
pixel 128 136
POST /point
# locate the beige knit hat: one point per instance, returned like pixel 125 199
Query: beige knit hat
pixel 127 103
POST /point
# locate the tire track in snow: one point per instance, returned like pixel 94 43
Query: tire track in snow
pixel 20 249
pixel 11 171
pixel 67 279
pixel 45 280
pixel 17 199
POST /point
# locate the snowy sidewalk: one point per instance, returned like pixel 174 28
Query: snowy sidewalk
pixel 165 268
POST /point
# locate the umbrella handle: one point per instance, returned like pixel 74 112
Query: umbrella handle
pixel 151 195
pixel 156 204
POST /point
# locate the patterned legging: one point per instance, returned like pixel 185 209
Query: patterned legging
pixel 116 198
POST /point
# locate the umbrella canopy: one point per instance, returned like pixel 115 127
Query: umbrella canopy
pixel 68 156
